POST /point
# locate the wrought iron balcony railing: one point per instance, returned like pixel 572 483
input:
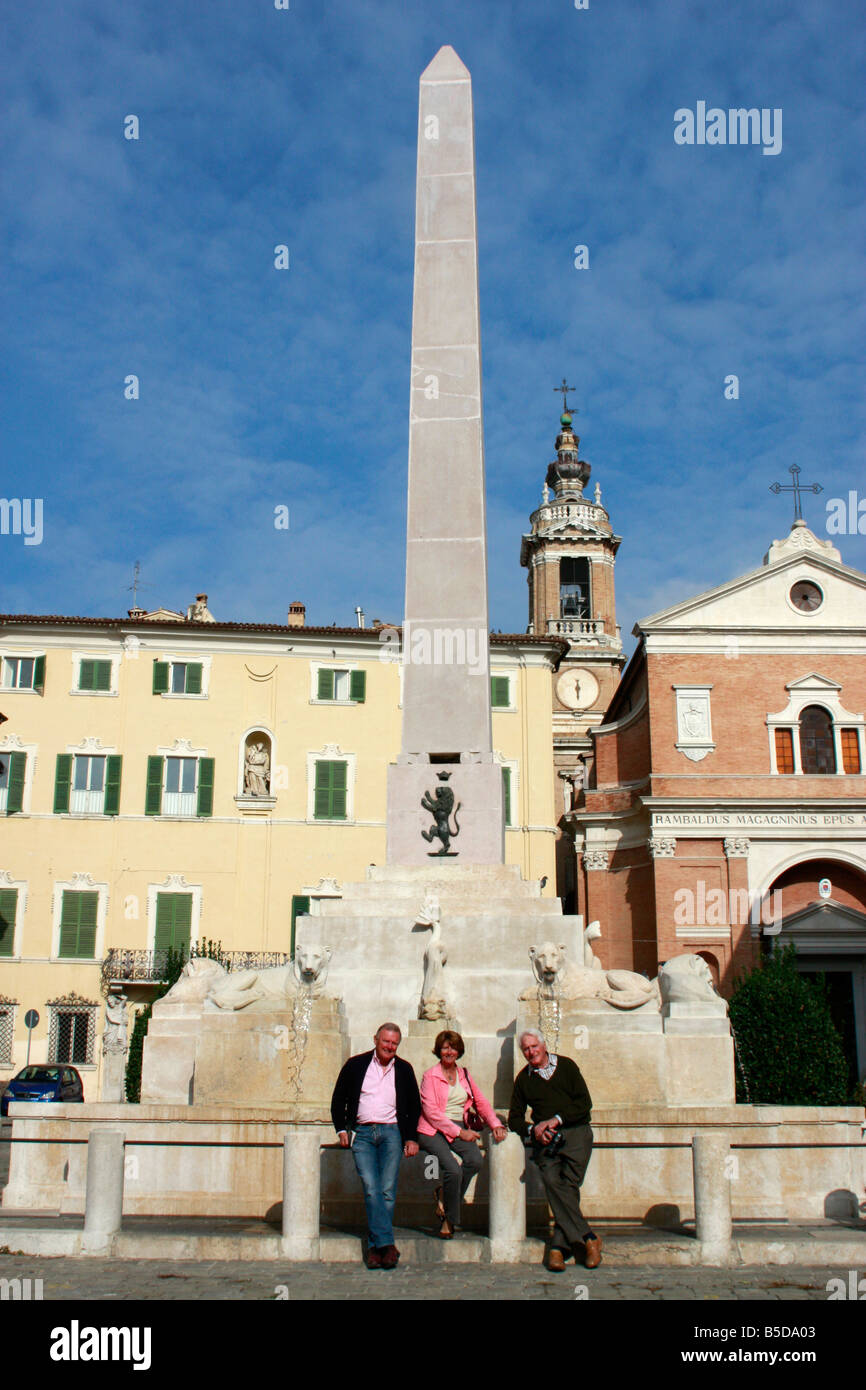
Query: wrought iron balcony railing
pixel 149 967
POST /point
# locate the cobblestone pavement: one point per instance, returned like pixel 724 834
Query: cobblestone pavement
pixel 122 1280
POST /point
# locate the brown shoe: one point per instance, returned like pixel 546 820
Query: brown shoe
pixel 390 1256
pixel 593 1253
pixel 446 1230
pixel 555 1261
pixel 374 1258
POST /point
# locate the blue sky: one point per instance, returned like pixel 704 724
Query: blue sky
pixel 261 388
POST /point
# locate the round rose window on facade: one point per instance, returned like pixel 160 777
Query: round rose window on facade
pixel 806 596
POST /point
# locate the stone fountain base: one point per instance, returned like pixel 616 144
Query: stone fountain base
pixel 639 1057
pixel 260 1057
pixel 792 1162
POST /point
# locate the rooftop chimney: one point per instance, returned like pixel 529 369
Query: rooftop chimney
pixel 297 614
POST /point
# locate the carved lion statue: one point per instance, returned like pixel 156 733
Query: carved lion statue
pixel 687 979
pixel 277 983
pixel 197 978
pixel 561 978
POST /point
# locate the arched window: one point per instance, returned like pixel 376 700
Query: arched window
pixel 817 752
pixel 574 588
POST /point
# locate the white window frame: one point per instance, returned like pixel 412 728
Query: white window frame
pixel 181 748
pixel 174 883
pixel 171 661
pixel 18 656
pixel 7 881
pixel 512 765
pixel 89 748
pixel 12 744
pixel 331 753
pixel 820 690
pixel 338 666
pixel 79 883
pixel 511 707
pixel 184 803
pixel 114 686
pixel 84 801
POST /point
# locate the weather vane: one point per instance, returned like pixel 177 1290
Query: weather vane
pixel 564 389
pixel 796 487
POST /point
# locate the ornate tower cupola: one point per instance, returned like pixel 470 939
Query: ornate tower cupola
pixel 570 554
pixel 568 473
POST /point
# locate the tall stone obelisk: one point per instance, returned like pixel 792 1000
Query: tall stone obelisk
pixel 446 743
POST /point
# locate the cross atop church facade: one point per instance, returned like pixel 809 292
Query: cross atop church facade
pixel 796 487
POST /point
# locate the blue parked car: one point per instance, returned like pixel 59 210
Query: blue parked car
pixel 49 1082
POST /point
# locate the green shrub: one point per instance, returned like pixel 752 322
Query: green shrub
pixel 788 1051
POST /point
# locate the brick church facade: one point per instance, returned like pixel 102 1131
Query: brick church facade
pixel 725 807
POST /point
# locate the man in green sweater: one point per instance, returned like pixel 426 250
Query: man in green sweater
pixel 554 1090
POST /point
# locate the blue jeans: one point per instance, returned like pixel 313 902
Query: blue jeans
pixel 377 1150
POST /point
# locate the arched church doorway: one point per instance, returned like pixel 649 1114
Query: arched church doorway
pixel 823 907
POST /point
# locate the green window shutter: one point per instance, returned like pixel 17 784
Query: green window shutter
pixel 358 686
pixel 338 791
pixel 86 675
pixel 193 678
pixel 39 674
pixel 160 677
pixel 173 922
pixel 300 905
pixel 68 925
pixel 153 794
pixel 506 790
pixel 103 675
pixel 330 791
pixel 326 685
pixel 322 794
pixel 205 787
pixel 87 924
pixel 164 921
pixel 8 907
pixel 78 925
pixel 113 763
pixel 15 793
pixel 499 692
pixel 62 780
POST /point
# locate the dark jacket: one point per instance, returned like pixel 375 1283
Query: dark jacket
pixel 565 1094
pixel 347 1094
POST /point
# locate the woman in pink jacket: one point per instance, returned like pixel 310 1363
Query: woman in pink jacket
pixel 448 1093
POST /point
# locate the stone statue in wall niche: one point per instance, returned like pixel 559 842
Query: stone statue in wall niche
pixel 257 770
pixel 114 1031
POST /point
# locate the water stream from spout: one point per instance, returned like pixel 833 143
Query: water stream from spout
pixel 549 1015
pixel 302 1009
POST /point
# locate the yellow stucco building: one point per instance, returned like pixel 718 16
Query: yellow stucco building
pixel 166 779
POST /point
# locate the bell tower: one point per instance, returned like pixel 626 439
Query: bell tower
pixel 570 554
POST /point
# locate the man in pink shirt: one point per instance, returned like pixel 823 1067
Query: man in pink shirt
pixel 376 1098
